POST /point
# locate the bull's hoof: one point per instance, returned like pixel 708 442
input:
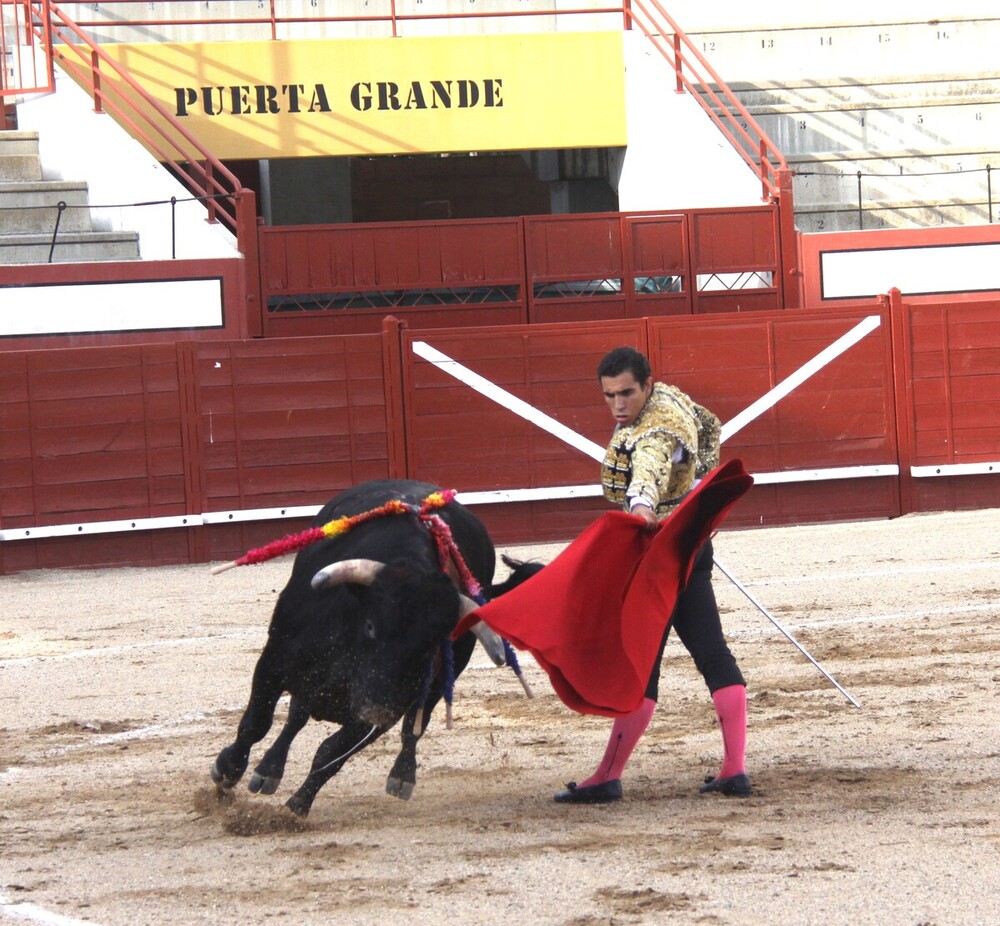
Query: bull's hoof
pixel 222 780
pixel 298 806
pixel 399 788
pixel 263 784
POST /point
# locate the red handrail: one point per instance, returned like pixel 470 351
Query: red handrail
pixel 393 18
pixel 22 59
pixel 116 92
pixel 693 74
pixel 723 107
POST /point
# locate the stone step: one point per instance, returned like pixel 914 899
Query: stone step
pixel 20 167
pixel 33 207
pixel 895 126
pixel 934 176
pixel 73 247
pixel 830 217
pixel 869 52
pixel 902 114
pixel 18 142
pixel 845 93
pixel 19 156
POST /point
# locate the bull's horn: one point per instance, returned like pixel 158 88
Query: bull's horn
pixel 491 643
pixel 489 638
pixel 358 571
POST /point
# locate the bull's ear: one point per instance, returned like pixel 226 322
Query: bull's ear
pixel 358 571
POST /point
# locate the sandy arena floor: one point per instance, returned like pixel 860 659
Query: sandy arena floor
pixel 119 687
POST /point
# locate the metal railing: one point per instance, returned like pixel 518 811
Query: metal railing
pixel 24 65
pixel 118 94
pixel 203 174
pixel 277 16
pixel 695 75
pixel 62 207
pixel 693 72
pixel 865 204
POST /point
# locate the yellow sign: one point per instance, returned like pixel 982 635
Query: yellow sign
pixel 389 96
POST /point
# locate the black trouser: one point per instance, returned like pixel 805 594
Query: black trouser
pixel 696 617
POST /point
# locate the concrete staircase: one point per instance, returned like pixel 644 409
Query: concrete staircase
pixel 33 210
pixel 888 153
pixel 912 105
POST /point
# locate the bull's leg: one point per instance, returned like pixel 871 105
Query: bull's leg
pixel 333 752
pixel 267 775
pixel 403 776
pixel 267 687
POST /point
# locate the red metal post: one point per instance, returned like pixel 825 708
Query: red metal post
pixel 246 238
pixel 678 63
pixel 95 70
pixel 764 170
pixel 788 241
pixel 902 394
pixel 211 204
pixel 395 408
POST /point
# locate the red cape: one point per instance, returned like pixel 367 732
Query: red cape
pixel 594 617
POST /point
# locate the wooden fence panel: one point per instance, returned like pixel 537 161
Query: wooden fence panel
pixel 244 427
pixel 953 401
pixel 660 265
pixel 88 435
pixel 840 417
pixel 735 263
pixel 463 439
pixel 575 268
pixel 343 279
pixel 290 421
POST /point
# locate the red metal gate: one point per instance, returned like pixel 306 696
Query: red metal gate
pixel 25 63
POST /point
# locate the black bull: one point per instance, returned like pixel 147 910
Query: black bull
pixel 360 655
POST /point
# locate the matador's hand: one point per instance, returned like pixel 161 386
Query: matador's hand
pixel 648 515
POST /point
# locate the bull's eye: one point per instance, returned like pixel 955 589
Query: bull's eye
pixel 370 629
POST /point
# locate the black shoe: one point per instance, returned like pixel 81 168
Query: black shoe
pixel 733 786
pixel 604 793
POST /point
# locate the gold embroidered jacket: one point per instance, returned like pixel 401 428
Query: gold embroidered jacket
pixel 657 458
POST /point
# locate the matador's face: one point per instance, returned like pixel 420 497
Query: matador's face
pixel 625 396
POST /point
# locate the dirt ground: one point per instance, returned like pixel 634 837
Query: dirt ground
pixel 120 686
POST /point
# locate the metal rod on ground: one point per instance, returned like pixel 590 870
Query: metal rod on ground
pixel 795 642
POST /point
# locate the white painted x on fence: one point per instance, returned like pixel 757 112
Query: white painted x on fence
pixel 519 407
pixel 556 428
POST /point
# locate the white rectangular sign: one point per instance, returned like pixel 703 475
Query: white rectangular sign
pixel 75 308
pixel 953 268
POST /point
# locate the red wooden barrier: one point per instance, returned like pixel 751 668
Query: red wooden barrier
pixel 240 316
pixel 90 435
pixel 343 279
pixel 284 423
pixel 840 418
pixel 948 391
pixel 201 450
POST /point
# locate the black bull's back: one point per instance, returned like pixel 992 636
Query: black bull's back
pixel 392 536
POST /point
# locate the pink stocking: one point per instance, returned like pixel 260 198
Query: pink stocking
pixel 625 733
pixel 731 709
